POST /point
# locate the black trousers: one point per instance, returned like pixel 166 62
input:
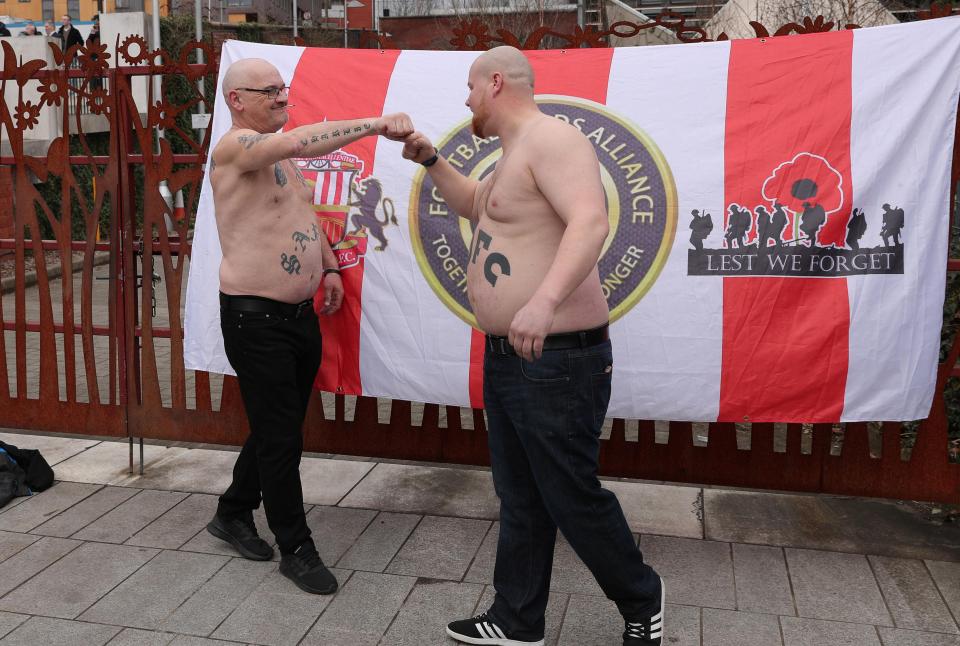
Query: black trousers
pixel 276 360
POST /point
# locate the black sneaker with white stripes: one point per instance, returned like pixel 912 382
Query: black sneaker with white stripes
pixel 647 631
pixel 483 630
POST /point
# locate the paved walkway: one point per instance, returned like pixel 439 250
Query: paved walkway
pixel 105 557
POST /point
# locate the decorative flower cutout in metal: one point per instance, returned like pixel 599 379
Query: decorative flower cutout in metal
pixel 27 115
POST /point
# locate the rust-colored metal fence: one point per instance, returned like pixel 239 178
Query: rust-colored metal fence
pixel 100 351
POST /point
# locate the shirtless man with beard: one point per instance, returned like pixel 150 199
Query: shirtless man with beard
pixel 274 258
pixel 540 222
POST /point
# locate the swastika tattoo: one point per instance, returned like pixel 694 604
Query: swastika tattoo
pixel 290 265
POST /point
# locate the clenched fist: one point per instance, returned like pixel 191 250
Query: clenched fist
pixel 396 127
pixel 416 147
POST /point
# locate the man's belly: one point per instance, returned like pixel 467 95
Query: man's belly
pixel 283 274
pixel 495 306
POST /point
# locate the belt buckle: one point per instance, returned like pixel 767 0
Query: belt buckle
pixel 302 306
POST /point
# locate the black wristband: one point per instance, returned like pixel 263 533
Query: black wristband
pixel 433 160
pixel 331 270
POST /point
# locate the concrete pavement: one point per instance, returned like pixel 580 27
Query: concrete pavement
pixel 106 557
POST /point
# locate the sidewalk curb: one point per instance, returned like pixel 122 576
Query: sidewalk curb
pixel 9 283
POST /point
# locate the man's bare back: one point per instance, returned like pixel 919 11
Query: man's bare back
pixel 516 240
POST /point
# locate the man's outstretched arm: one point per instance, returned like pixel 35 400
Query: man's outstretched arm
pixel 249 150
pixel 459 191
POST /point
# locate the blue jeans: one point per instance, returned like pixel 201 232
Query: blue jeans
pixel 543 422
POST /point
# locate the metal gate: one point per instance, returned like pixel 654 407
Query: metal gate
pixel 102 354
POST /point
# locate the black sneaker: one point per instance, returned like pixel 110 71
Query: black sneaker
pixel 483 630
pixel 242 534
pixel 649 631
pixel 307 571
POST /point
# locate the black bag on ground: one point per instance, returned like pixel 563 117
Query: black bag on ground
pixel 37 474
pixel 13 479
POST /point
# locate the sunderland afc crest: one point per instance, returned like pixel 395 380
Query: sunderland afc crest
pixel 640 195
pixel 349 209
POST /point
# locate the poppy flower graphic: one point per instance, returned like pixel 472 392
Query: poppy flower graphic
pixel 807 178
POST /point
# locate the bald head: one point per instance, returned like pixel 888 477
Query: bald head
pixel 249 72
pixel 511 63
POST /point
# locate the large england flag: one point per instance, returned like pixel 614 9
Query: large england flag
pixel 779 219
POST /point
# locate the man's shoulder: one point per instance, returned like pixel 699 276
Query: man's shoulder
pixel 552 135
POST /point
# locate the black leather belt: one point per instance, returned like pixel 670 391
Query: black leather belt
pixel 261 305
pixel 562 341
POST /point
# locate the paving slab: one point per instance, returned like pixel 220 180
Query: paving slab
pixel 130 517
pixel 947 577
pixel 194 470
pixel 430 606
pixel 44 631
pixel 553 616
pixel 426 490
pixel 729 628
pixel 9 621
pixel 659 509
pixel 135 637
pixel 569 574
pixel 13 542
pixel 798 631
pixel 27 562
pixel 362 611
pixel 379 543
pixel 147 597
pixel 77 581
pixel 898 637
pixel 183 640
pixel 882 527
pixel 440 548
pixel 697 572
pixel 54 449
pixel 595 621
pixel 179 524
pixel 217 598
pixel 108 463
pixel 84 512
pixel 911 595
pixel 41 507
pixel 257 619
pixel 326 481
pixel 836 586
pixel 481 569
pixel 762 582
pixel 336 528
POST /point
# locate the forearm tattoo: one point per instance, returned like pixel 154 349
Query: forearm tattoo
pixel 493 260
